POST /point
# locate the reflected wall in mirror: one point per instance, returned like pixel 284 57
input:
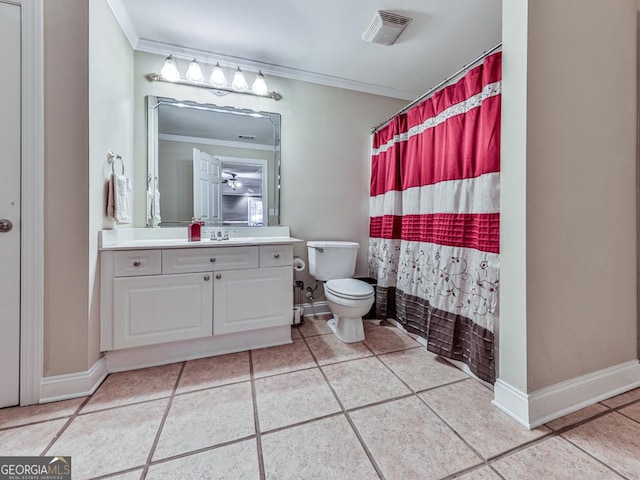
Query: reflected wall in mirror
pixel 220 164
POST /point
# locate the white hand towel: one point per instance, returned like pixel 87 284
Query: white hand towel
pixel 118 199
pixel 149 208
pixel 156 209
pixel 121 199
pixel 110 199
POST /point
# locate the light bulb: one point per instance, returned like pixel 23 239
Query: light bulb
pixel 217 77
pixel 194 72
pixel 239 82
pixel 259 85
pixel 170 70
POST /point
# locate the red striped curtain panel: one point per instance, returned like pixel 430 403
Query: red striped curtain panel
pixel 435 221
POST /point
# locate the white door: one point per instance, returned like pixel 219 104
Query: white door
pixel 10 148
pixel 207 176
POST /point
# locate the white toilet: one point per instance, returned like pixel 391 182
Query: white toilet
pixel 349 299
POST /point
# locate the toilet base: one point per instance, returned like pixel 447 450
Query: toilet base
pixel 347 330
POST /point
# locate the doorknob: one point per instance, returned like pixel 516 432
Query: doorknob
pixel 5 225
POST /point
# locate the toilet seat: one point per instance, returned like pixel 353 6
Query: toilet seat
pixel 349 289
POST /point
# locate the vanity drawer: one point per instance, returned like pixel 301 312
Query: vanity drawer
pixel 276 255
pixel 190 260
pixel 133 263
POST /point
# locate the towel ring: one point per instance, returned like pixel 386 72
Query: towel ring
pixel 111 158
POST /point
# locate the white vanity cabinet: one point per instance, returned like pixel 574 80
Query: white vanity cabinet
pixel 154 296
pixel 250 299
pixel 161 308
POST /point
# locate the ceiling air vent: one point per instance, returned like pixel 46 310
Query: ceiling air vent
pixel 385 28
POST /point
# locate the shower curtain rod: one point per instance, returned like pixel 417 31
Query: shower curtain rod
pixel 437 87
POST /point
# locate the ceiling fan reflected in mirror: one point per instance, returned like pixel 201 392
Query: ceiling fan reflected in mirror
pixel 233 182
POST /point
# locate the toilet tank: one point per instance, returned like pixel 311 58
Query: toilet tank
pixel 332 259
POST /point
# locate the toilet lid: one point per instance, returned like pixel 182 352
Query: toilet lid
pixel 349 288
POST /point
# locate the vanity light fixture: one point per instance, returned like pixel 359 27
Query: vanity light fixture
pixel 217 77
pixel 259 85
pixel 239 82
pixel 217 81
pixel 194 72
pixel 170 70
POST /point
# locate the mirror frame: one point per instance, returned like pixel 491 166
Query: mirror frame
pixel 152 104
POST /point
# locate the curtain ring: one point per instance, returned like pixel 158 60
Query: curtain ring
pixel 111 158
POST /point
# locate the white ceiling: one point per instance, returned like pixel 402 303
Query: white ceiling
pixel 319 41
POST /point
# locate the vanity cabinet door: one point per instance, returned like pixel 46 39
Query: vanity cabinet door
pixel 161 308
pixel 251 299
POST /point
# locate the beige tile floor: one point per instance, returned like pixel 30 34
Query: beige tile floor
pixel 385 408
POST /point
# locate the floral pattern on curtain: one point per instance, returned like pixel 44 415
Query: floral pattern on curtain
pixel 434 218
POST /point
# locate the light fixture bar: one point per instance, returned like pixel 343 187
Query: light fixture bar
pixel 219 91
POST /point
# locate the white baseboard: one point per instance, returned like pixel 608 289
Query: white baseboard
pixel 73 385
pixel 555 401
pixel 82 384
pixel 318 308
pixel 165 353
pixel 512 401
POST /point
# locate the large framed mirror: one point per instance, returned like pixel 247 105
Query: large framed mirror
pixel 218 164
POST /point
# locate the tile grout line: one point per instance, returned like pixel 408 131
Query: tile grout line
pixel 211 387
pixel 413 393
pixel 601 462
pixel 302 423
pixel 552 434
pixel 199 450
pixel 489 461
pixel 118 473
pixel 162 422
pixel 367 452
pixel 256 420
pixel 568 428
pixel 627 416
pixel 45 420
pixel 486 462
pixel 115 407
pixel 416 394
pixel 456 433
pixel 494 470
pixel 65 426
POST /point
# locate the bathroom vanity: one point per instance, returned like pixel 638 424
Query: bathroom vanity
pixel 165 299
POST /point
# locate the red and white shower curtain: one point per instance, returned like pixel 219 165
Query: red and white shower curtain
pixel 435 224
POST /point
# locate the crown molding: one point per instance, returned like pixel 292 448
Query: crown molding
pixel 123 18
pixel 164 49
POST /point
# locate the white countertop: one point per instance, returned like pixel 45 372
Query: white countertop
pixel 144 238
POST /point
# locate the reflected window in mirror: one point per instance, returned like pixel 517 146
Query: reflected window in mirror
pixel 219 164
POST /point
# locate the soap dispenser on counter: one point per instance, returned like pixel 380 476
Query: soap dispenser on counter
pixel 194 230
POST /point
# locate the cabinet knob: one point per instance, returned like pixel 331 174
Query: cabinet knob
pixel 206 278
pixel 212 259
pixel 136 263
pixel 277 255
pixel 218 276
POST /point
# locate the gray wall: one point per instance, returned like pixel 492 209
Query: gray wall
pixel 568 299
